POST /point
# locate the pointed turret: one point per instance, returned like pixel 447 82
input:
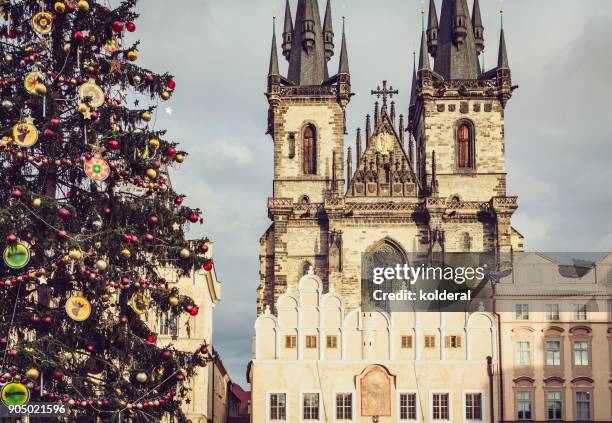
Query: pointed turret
pixel 287 32
pixel 502 59
pixel 344 62
pixel 273 70
pixel 424 55
pixel 478 27
pixel 307 63
pixel 349 165
pixel 413 89
pixel 358 144
pixel 402 130
pixel 432 29
pixel 368 128
pixel 456 55
pixel 328 32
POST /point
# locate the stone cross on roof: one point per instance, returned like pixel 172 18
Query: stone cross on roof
pixel 384 92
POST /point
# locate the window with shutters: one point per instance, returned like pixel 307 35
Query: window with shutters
pixel 332 341
pixel 290 341
pixel 309 141
pixel 311 341
pixel 452 342
pixel 430 341
pixel 465 146
pixel 406 341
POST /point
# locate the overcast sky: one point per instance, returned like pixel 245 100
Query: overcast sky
pixel 558 132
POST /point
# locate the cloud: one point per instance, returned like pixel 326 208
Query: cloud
pixel 229 151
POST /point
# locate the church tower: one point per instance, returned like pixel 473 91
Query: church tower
pixel 306 120
pixel 456 120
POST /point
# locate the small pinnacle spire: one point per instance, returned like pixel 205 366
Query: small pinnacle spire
pixel 432 29
pixel 478 27
pixel 358 145
pixel 413 90
pixel 393 112
pixel 502 61
pixel 424 55
pixel 328 32
pixel 402 132
pixel 349 165
pixel 273 53
pixel 376 113
pixel 368 128
pixel 344 63
pixel 287 32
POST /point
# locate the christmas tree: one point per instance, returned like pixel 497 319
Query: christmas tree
pixel 88 219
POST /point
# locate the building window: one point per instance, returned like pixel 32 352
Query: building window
pixel 580 311
pixel 291 145
pixel 581 353
pixel 406 341
pixel 552 312
pixel 290 341
pixel 523 354
pixel 311 341
pixel 344 406
pixel 553 353
pixel 168 324
pixel 311 407
pixel 452 342
pixel 473 406
pixel 554 405
pixel 310 150
pixel 430 341
pixel 408 407
pixel 465 147
pixel 332 341
pixel 440 406
pixel 522 311
pixel 306 268
pixel 278 407
pixel 583 406
pixel 467 242
pixel 524 405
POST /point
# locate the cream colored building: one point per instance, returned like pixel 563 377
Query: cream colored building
pixel 187 333
pixel 556 338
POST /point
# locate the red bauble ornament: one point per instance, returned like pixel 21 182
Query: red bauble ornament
pixel 150 77
pixel 178 201
pixel 57 375
pixel 123 320
pixel 149 237
pixel 180 377
pixel 151 339
pixel 11 238
pixel 62 234
pixel 63 213
pixel 120 342
pixel 194 218
pixel 90 347
pixel 204 350
pixel 130 26
pixel 71 7
pixel 79 37
pixel 16 193
pixel 47 320
pixel 113 145
pixel 170 152
pixel 105 403
pixel 205 248
pixel 48 133
pixel 13 353
pixel 171 84
pixel 208 267
pixel 153 220
pixel 194 311
pixel 107 211
pixel 166 355
pixel 117 26
pixel 3 341
pixel 55 122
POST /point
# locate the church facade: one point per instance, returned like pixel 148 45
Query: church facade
pixel 428 183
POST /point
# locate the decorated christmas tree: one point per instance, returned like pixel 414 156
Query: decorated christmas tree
pixel 88 219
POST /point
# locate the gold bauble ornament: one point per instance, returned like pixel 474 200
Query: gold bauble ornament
pixel 125 253
pixel 59 7
pixel 154 143
pixel 67 48
pixel 122 404
pixel 141 377
pixel 105 298
pixel 41 89
pixel 132 56
pixel 33 374
pixel 36 203
pixel 151 173
pixel 97 244
pixel 185 253
pixel 173 301
pixel 118 392
pixel 83 108
pixel 180 158
pixel 146 116
pixel 101 265
pixel 75 255
pixel 166 95
pixel 83 6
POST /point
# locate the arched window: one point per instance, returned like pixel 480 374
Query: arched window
pixel 465 147
pixel 310 150
pixel 306 268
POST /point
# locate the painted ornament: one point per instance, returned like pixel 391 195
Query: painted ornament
pixel 78 308
pixel 15 394
pixel 25 134
pixel 92 91
pixel 42 22
pixel 139 303
pixel 16 256
pixel 32 79
pixel 110 46
pixel 97 169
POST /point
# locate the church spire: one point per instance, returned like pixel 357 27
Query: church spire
pixel 502 60
pixel 307 63
pixel 287 32
pixel 273 70
pixel 413 90
pixel 424 55
pixel 456 55
pixel 328 32
pixel 478 27
pixel 432 29
pixel 344 63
